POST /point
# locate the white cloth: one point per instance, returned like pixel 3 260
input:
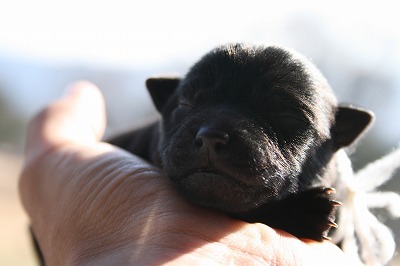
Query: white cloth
pixel 362 235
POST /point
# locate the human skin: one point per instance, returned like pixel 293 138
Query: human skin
pixel 91 203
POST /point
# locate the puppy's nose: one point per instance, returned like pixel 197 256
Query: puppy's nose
pixel 211 138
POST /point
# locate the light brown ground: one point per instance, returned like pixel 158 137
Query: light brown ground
pixel 15 248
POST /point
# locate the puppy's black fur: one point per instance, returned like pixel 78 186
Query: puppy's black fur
pixel 251 131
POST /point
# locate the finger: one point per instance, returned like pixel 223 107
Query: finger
pixel 78 117
pixel 327 253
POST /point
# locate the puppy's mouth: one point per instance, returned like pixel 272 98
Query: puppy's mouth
pixel 213 171
pixel 210 187
pixel 223 178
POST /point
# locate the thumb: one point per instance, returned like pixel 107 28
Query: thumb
pixel 78 117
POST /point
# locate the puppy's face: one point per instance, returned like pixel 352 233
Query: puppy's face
pixel 247 126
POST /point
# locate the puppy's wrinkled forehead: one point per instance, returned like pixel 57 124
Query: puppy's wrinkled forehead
pixel 272 77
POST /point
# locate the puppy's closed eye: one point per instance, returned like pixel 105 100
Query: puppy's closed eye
pixel 288 123
pixel 185 103
pixel 181 109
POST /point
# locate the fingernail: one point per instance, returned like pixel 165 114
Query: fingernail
pixel 79 87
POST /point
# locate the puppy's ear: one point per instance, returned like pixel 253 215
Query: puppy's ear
pixel 351 122
pixel 161 88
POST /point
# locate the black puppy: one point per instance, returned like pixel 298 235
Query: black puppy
pixel 251 131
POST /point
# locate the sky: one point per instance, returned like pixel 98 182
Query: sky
pixel 38 39
pixel 152 31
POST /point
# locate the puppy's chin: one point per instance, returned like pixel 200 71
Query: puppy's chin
pixel 218 191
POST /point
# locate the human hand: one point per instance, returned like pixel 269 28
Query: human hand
pixel 92 203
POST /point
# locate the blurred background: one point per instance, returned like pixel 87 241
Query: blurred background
pixel 45 45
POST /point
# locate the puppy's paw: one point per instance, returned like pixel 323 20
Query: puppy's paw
pixel 308 214
pixel 318 212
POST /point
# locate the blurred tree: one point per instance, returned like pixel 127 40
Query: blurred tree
pixel 11 125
